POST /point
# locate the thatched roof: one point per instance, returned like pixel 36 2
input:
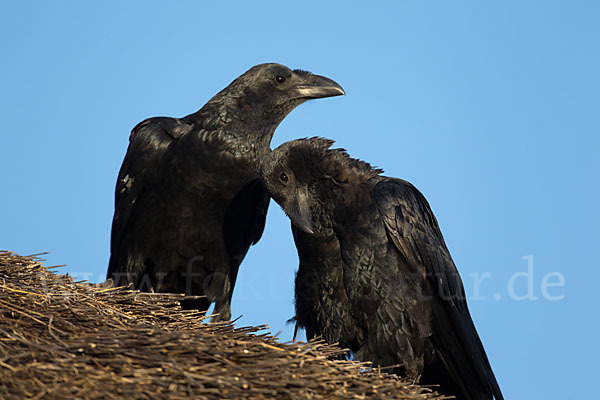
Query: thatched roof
pixel 66 339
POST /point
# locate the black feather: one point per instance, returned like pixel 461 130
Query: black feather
pixel 375 274
pixel 188 204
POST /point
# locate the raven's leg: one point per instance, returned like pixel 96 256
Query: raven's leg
pixel 222 309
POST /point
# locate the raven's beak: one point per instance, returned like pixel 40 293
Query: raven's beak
pixel 301 216
pixel 316 86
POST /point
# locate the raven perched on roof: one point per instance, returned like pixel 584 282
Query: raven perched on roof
pixel 188 201
pixel 375 274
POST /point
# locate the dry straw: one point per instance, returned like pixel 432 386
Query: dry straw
pixel 64 339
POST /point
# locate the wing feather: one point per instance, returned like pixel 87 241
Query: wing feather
pixel 414 230
pixel 148 145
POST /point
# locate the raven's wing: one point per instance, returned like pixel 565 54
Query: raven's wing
pixel 244 224
pixel 148 145
pixel 414 230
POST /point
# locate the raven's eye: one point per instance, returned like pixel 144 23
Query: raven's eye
pixel 280 79
pixel 283 177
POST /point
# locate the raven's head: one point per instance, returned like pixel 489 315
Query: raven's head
pixel 268 92
pixel 308 179
pixel 276 84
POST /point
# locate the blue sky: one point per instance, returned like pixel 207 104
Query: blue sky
pixel 492 109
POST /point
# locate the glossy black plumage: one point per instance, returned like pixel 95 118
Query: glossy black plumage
pixel 188 203
pixel 375 274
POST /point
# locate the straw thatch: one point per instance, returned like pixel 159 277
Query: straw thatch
pixel 66 339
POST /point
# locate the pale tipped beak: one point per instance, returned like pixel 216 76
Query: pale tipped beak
pixel 316 87
pixel 301 216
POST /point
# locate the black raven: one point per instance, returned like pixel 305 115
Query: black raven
pixel 188 202
pixel 375 274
